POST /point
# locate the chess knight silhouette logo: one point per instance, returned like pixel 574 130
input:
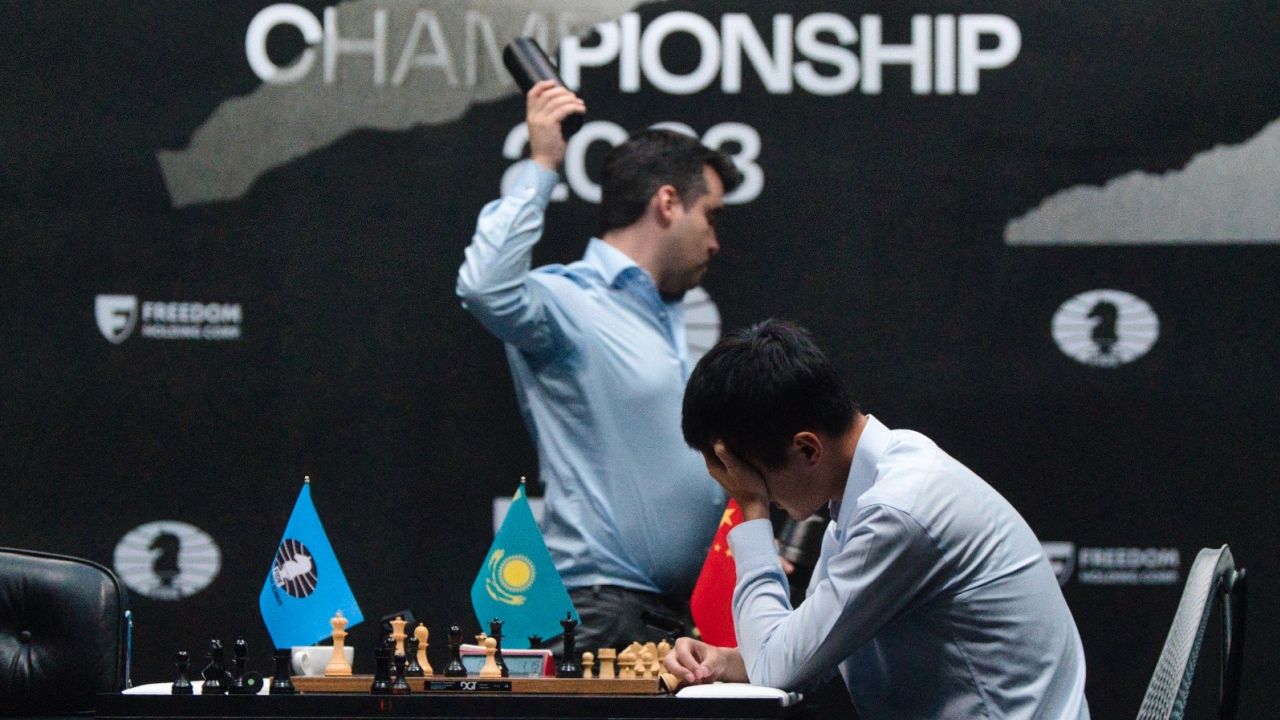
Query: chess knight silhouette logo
pixel 167 560
pixel 1105 328
pixel 509 577
pixel 116 316
pixel 295 570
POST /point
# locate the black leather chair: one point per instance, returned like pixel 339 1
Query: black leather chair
pixel 64 633
pixel 1213 576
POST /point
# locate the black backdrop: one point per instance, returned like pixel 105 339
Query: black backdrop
pixel 885 223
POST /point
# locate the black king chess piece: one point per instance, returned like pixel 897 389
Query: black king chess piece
pixel 181 685
pixel 244 681
pixel 280 682
pixel 216 677
pixel 455 668
pixel 382 668
pixel 412 668
pixel 495 632
pixel 568 667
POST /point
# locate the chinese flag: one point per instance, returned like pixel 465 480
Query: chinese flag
pixel 712 602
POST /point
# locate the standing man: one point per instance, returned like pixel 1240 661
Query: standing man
pixel 597 351
pixel 931 595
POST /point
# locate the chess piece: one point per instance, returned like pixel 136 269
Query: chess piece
pixel 412 668
pixel 216 677
pixel 664 647
pixel 627 665
pixel 490 668
pixel 280 682
pixel 568 667
pixel 495 632
pixel 653 667
pixel 243 681
pixel 397 633
pixel 645 669
pixel 588 662
pixel 338 666
pixel 382 668
pixel 181 685
pixel 535 642
pixel 455 668
pixel 607 657
pixel 420 634
pixel 400 686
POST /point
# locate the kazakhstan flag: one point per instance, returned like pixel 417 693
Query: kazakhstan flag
pixel 305 586
pixel 518 583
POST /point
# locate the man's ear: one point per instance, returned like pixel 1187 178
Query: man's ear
pixel 665 204
pixel 808 446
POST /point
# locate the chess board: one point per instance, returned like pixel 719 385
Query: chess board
pixel 515 685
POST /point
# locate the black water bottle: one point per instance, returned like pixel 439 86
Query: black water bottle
pixel 529 65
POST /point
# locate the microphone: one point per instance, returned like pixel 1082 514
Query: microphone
pixel 529 65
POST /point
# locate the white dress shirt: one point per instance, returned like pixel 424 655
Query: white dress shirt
pixel 931 595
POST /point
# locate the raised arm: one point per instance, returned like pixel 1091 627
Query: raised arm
pixel 494 282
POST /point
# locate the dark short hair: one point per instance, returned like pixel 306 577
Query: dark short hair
pixel 649 159
pixel 760 386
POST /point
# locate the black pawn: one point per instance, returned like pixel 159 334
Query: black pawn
pixel 216 677
pixel 280 682
pixel 181 685
pixel 381 670
pixel 240 661
pixel 495 632
pixel 568 667
pixel 400 686
pixel 455 668
pixel 412 669
pixel 535 642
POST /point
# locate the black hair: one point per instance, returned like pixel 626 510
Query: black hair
pixel 760 386
pixel 649 159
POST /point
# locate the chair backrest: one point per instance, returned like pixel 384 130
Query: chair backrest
pixel 64 634
pixel 1213 575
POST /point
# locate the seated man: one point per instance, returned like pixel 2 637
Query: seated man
pixel 931 595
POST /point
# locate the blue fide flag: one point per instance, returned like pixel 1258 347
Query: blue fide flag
pixel 305 586
pixel 518 584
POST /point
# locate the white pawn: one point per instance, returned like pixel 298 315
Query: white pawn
pixel 588 662
pixel 490 668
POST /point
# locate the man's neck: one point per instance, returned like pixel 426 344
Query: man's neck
pixel 846 446
pixel 640 243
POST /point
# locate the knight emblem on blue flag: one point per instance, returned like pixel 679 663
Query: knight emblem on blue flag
pixel 305 585
pixel 518 583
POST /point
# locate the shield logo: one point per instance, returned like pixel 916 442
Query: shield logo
pixel 1062 558
pixel 116 316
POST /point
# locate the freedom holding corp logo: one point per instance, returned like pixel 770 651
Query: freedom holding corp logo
pixel 119 315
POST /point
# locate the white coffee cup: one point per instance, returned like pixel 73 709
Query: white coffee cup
pixel 310 660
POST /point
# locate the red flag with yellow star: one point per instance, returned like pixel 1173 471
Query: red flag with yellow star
pixel 712 602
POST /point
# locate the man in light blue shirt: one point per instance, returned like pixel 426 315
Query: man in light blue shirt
pixel 931 595
pixel 597 351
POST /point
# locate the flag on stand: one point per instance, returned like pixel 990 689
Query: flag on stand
pixel 712 602
pixel 518 583
pixel 305 585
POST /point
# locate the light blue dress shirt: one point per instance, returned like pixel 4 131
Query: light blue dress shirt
pixel 600 364
pixel 931 594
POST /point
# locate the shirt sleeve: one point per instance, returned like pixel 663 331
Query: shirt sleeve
pixel 494 282
pixel 878 571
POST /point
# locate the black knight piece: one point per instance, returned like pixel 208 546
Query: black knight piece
pixel 495 632
pixel 280 682
pixel 216 677
pixel 181 685
pixel 569 667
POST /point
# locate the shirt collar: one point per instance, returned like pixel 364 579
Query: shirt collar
pixel 872 444
pixel 608 260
